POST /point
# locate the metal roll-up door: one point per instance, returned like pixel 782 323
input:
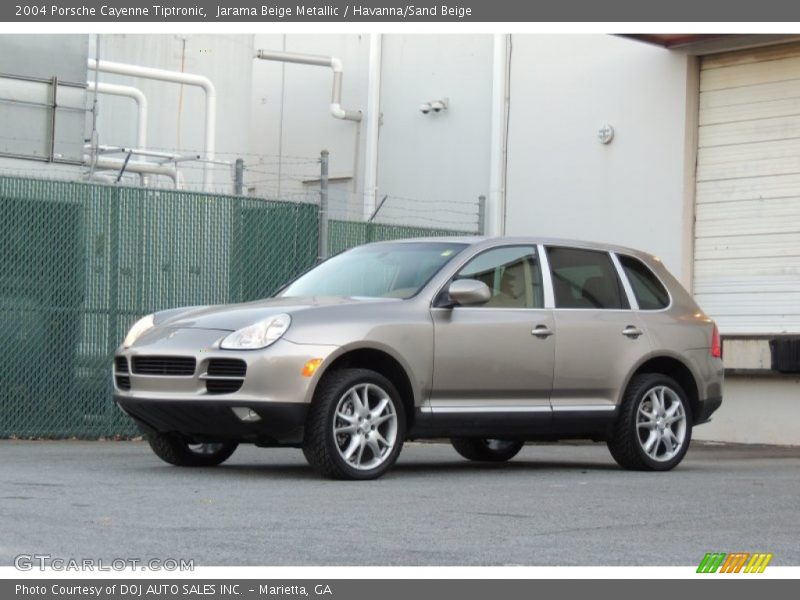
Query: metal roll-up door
pixel 747 229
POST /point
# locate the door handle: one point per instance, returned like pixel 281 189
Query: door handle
pixel 542 331
pixel 632 332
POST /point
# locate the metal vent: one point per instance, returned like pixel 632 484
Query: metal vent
pixel 121 364
pixel 223 386
pixel 227 367
pixel 173 366
pixel 225 375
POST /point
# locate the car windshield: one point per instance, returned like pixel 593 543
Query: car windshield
pixel 395 270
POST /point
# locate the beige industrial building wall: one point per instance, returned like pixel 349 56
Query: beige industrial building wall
pixel 702 169
pixel 734 116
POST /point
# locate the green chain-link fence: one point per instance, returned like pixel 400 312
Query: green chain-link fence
pixel 80 262
pixel 346 234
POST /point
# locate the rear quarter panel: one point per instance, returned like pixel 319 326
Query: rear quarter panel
pixel 683 331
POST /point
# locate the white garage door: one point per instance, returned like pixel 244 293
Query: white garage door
pixel 747 247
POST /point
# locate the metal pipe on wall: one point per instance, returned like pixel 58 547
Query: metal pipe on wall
pixel 137 95
pixel 372 124
pixel 318 61
pixel 116 164
pixel 496 205
pixel 175 77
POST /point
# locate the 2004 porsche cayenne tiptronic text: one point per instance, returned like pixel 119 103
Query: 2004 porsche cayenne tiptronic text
pixel 488 342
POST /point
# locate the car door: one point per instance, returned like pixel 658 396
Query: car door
pixel 497 357
pixel 599 337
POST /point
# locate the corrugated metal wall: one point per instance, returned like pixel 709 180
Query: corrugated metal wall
pixel 747 236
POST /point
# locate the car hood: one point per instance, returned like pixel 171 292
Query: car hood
pixel 230 317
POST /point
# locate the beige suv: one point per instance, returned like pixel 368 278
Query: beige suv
pixel 488 342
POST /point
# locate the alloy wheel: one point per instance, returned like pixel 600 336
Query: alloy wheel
pixel 365 426
pixel 661 423
pixel 205 449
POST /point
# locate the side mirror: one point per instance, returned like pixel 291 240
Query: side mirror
pixel 469 292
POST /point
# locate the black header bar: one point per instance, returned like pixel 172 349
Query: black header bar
pixel 413 11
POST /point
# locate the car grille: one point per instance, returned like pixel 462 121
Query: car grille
pixel 227 367
pixel 121 376
pixel 172 366
pixel 225 375
pixel 223 386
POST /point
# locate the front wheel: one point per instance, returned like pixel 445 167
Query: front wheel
pixel 175 450
pixel 654 426
pixel 486 450
pixel 356 425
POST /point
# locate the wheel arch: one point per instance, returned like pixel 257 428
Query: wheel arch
pixel 377 358
pixel 674 367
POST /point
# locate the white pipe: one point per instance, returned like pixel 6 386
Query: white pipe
pixel 373 123
pixel 108 179
pixel 115 164
pixel 496 202
pixel 175 77
pixel 167 156
pixel 331 62
pixel 137 95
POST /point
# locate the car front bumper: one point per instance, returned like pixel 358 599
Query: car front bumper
pixel 273 387
pixel 278 423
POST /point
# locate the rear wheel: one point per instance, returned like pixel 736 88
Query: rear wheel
pixel 356 425
pixel 176 450
pixel 487 450
pixel 654 426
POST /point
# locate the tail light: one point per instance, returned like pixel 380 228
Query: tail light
pixel 716 343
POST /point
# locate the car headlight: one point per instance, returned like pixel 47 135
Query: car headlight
pixel 257 336
pixel 137 330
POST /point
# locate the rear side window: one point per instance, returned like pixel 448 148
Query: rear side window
pixel 648 290
pixel 585 279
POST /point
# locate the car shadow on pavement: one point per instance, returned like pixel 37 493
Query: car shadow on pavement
pixel 514 465
pixel 445 468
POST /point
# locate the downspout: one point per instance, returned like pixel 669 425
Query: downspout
pixel 137 95
pixel 498 160
pixel 373 124
pixel 331 62
pixel 175 77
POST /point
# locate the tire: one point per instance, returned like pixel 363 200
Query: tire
pixel 644 439
pixel 369 437
pixel 175 450
pixel 487 450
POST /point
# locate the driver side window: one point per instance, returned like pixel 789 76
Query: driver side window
pixel 512 273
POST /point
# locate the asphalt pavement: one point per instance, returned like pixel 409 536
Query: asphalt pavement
pixel 566 504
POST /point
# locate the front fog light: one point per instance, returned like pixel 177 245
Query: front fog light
pixel 248 415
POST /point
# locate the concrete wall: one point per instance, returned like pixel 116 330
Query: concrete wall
pixel 290 118
pixel 438 161
pixel 563 182
pixel 756 410
pixel 638 190
pixel 432 166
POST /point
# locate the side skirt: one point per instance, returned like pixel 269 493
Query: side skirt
pixel 547 425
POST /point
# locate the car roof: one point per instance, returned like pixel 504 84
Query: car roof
pixel 490 241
